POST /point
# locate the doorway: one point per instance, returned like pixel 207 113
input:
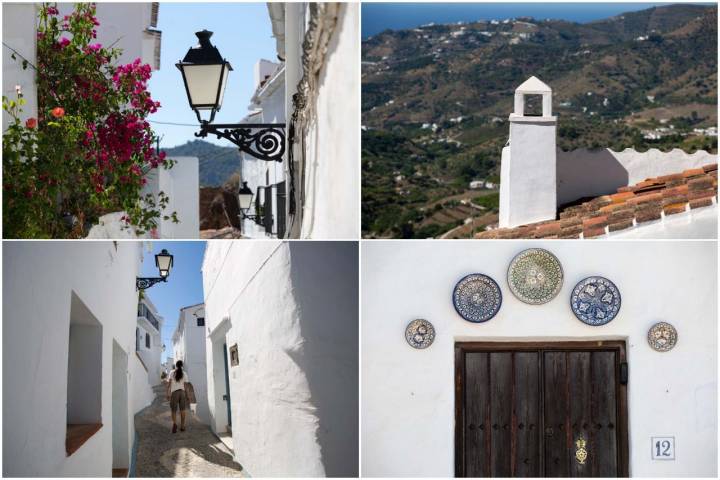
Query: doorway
pixel 120 419
pixel 541 409
pixel 226 397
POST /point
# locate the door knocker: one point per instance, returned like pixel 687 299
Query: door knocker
pixel 581 454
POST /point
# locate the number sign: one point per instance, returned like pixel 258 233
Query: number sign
pixel 663 448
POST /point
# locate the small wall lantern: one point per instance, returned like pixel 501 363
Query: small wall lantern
pixel 164 263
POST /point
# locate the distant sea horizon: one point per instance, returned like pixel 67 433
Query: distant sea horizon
pixel 377 17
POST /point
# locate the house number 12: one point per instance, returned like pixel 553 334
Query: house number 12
pixel 663 448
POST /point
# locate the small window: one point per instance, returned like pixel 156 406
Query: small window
pixel 147 341
pixel 533 105
pixel 84 381
pixel 201 321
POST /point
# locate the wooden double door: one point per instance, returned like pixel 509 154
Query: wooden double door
pixel 541 409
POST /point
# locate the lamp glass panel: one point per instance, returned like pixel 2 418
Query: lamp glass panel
pixel 245 200
pixel 163 262
pixel 226 71
pixel 202 82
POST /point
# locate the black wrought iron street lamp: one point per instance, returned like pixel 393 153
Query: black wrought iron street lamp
pixel 164 263
pixel 205 74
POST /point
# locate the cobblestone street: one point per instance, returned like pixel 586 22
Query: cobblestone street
pixel 196 452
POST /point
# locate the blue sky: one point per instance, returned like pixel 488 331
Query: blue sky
pixel 183 288
pixel 243 35
pixel 377 17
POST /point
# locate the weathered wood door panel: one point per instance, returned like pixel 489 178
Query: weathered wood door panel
pixel 521 410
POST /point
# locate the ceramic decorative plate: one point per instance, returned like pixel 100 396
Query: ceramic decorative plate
pixel 420 333
pixel 535 276
pixel 477 298
pixel 662 337
pixel 595 301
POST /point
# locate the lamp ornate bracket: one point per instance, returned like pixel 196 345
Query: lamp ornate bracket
pixel 264 141
pixel 142 283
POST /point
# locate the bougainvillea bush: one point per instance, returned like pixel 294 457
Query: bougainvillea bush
pixel 86 153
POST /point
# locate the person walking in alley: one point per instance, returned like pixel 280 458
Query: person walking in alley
pixel 176 394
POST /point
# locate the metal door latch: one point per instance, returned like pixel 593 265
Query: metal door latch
pixel 581 454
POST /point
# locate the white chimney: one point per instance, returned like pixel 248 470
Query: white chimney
pixel 528 185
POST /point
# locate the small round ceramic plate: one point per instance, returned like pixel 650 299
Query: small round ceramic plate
pixel 595 301
pixel 477 298
pixel 662 337
pixel 420 333
pixel 535 276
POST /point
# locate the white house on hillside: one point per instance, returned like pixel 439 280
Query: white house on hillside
pixel 148 341
pixel 189 346
pixel 72 381
pixel 281 343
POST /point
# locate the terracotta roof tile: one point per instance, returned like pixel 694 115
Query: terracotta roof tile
pixel 701 202
pixel 620 197
pixel 674 208
pixel 693 172
pixel 621 224
pixel 631 205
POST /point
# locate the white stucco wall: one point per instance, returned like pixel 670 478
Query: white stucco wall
pixel 271 100
pixel 40 279
pixel 527 172
pixel 590 173
pixel 123 24
pixel 19 33
pixel 151 356
pixel 189 346
pixel 141 394
pixel 291 309
pixel 408 395
pixel 332 184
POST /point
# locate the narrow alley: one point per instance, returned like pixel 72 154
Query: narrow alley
pixel 196 452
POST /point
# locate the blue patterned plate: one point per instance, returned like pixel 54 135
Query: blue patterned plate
pixel 595 301
pixel 477 298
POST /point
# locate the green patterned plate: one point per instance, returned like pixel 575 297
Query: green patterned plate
pixel 535 276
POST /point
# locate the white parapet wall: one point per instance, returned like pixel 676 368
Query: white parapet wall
pixel 590 173
pixel 181 184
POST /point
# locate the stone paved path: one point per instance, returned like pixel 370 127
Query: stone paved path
pixel 196 452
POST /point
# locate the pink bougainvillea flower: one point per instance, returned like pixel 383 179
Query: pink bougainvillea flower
pixel 58 112
pixel 31 122
pixel 64 42
pixel 154 233
pixel 52 11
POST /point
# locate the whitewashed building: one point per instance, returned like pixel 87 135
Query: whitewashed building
pixel 189 346
pixel 69 353
pixel 282 359
pixel 129 26
pixel 148 339
pixel 313 192
pixel 638 411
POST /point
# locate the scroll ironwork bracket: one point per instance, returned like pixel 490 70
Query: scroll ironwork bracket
pixel 264 141
pixel 142 283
